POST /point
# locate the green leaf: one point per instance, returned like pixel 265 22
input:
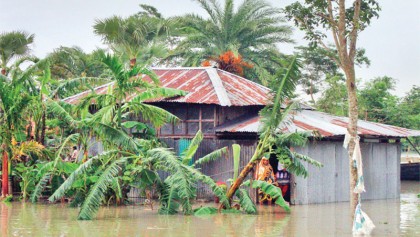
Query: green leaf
pixel 40 187
pixel 236 156
pixel 189 153
pixel 211 156
pixel 97 192
pixel 60 192
pixel 270 189
pixel 137 125
pixel 245 201
pixel 205 211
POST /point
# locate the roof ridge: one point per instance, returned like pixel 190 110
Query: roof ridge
pixel 253 82
pixel 179 68
pixel 87 91
pixel 218 87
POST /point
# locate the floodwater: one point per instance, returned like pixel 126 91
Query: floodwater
pixel 400 217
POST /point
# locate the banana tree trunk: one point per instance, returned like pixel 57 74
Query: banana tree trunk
pixel 5 174
pixel 247 169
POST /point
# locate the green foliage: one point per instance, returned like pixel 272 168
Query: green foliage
pixel 334 98
pixel 7 199
pixel 42 183
pixel 142 37
pixel 312 16
pixel 245 201
pixel 270 189
pixel 205 211
pixel 212 156
pixel 376 101
pixel 60 192
pixel 236 158
pixel 13 45
pixel 188 153
pixel 252 30
pixel 95 197
pixel 28 176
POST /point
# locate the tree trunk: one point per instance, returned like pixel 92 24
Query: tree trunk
pixel 85 155
pixel 43 128
pixel 352 128
pixel 5 174
pixel 247 169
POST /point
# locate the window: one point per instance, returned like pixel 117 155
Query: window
pixel 193 118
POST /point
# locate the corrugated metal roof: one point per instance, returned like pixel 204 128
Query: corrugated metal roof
pixel 204 85
pixel 325 124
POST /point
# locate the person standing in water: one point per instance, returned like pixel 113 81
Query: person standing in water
pixel 265 173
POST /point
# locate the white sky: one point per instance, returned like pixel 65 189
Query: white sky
pixel 391 42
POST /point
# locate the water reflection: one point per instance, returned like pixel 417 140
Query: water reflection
pixel 392 218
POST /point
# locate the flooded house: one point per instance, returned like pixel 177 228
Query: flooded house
pixel 225 108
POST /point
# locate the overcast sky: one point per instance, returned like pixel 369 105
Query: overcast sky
pixel 391 42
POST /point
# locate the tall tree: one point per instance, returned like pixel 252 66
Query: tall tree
pixel 344 23
pixel 251 30
pixel 376 100
pixel 73 62
pixel 140 37
pixel 13 45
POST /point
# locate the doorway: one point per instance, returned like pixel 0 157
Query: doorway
pixel 275 164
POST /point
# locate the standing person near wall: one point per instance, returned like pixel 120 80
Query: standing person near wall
pixel 265 173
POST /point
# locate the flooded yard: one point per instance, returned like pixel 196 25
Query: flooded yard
pixel 399 217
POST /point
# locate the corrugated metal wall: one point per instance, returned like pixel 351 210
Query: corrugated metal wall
pixel 221 169
pixel 381 162
pixel 331 183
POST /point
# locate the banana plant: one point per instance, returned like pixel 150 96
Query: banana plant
pixel 272 116
pixel 177 190
pixel 181 194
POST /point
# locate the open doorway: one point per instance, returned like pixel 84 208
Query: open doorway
pixel 281 176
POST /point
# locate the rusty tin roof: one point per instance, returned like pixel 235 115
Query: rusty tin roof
pixel 326 125
pixel 205 85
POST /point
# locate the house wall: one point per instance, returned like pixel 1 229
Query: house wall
pixel 222 168
pixel 381 167
pixel 200 116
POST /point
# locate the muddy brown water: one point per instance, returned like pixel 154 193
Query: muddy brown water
pixel 400 217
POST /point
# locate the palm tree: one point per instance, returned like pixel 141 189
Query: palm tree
pixel 138 38
pixel 251 31
pixel 13 45
pixel 73 62
pixel 126 95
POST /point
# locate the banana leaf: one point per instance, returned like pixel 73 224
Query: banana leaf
pixel 270 189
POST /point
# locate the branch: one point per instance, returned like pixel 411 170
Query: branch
pixel 354 31
pixel 342 31
pixel 333 28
